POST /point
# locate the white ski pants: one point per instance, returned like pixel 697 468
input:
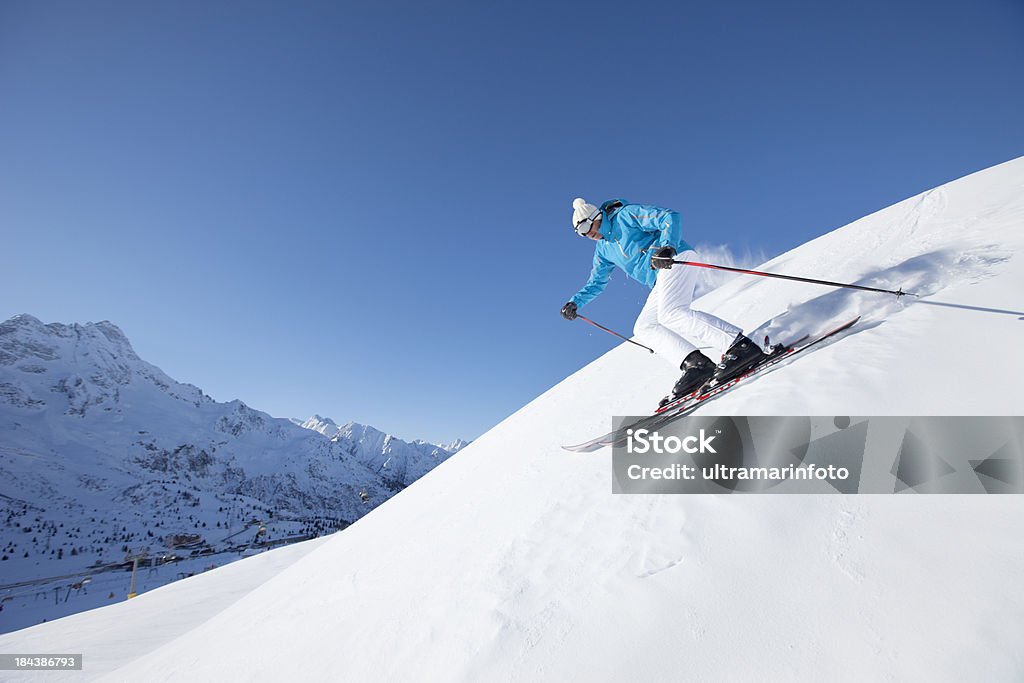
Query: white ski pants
pixel 669 326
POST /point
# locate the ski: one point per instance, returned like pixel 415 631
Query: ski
pixel 784 349
pixel 687 404
pixel 669 409
pixel 694 403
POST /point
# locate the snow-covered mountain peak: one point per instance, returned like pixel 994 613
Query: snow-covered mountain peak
pixel 92 365
pixel 25 326
pixel 115 336
pixel 21 320
pixel 317 423
pixel 454 446
pixel 398 460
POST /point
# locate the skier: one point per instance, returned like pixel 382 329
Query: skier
pixel 643 240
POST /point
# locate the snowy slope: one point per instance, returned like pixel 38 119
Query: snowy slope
pixel 513 561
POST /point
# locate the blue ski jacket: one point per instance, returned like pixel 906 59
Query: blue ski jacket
pixel 632 233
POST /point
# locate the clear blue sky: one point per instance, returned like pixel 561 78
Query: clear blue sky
pixel 362 209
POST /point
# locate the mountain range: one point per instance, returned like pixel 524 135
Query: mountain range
pixel 103 456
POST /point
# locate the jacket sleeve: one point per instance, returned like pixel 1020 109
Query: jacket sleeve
pixel 667 223
pixel 599 275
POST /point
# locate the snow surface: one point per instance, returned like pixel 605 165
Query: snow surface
pixel 512 560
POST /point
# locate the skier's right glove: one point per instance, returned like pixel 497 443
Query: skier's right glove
pixel 569 311
pixel 662 259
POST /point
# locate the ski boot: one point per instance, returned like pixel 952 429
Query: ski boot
pixel 697 369
pixel 741 356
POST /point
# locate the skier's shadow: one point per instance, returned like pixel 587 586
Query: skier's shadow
pixel 922 275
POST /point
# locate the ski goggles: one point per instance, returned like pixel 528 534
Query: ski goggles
pixel 586 224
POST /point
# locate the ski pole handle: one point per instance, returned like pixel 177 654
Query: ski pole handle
pixel 602 327
pixel 897 292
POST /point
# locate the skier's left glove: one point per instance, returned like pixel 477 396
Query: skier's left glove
pixel 569 311
pixel 662 258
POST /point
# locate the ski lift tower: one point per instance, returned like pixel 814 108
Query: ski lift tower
pixel 134 559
